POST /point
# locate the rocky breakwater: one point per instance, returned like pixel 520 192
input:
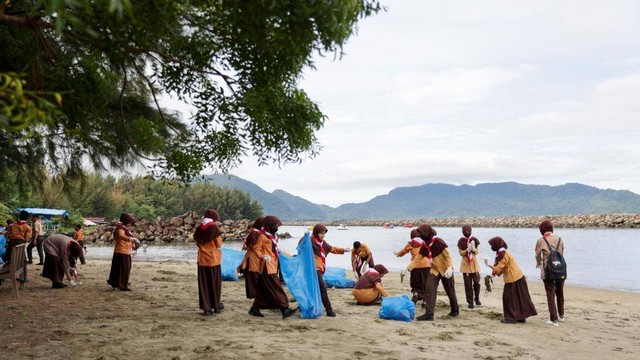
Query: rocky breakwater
pixel 170 230
pixel 559 221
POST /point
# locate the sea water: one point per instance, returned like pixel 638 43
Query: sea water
pixel 599 258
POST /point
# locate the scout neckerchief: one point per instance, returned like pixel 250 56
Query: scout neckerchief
pixel 323 255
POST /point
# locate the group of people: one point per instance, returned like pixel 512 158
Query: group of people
pixel 58 253
pixel 431 264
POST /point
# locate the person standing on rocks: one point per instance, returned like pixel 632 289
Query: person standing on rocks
pixel 121 261
pixel 468 249
pixel 208 237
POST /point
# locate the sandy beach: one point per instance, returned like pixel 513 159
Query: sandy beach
pixel 160 319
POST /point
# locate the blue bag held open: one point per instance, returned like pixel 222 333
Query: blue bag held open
pixel 231 259
pixel 397 308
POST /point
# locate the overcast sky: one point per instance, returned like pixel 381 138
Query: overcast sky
pixel 468 92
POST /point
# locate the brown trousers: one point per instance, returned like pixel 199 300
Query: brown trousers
pixel 323 292
pixel 418 281
pixel 432 292
pixel 471 286
pixel 555 292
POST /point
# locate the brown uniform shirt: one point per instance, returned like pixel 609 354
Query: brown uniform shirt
pixel 263 247
pixel 123 242
pixel 508 268
pixel 78 236
pixel 209 253
pixel 19 231
pixel 439 264
pixel 363 252
pixel 543 251
pixel 318 259
pixel 424 263
pixel 465 266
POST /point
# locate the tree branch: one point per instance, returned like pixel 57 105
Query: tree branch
pixel 126 136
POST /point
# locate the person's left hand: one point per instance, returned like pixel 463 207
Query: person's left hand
pixel 449 273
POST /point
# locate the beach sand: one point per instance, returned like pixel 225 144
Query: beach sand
pixel 160 319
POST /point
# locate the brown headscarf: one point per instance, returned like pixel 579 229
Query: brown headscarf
pixel 209 231
pixel 212 214
pixel 463 243
pixel 254 232
pixel 319 228
pixel 368 279
pixel 434 246
pixel 127 219
pixel 545 226
pixel 271 224
pixel 414 234
pixel 496 244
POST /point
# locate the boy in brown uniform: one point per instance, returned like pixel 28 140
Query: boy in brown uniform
pixel 361 254
pixel 468 249
pixel 37 241
pixel 553 288
pixel 441 270
pixel 321 249
pixel 419 276
pixel 18 233
pixel 269 292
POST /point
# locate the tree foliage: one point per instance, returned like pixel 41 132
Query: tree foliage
pixel 98 196
pixel 95 70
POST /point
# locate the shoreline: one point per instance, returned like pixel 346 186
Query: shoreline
pixel 160 319
pixel 582 221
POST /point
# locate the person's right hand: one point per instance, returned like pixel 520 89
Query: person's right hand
pixel 395 253
pixel 266 258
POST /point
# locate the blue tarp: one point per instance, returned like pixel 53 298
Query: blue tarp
pixel 299 273
pixel 231 259
pixel 397 308
pixel 45 212
pixel 3 241
pixel 337 277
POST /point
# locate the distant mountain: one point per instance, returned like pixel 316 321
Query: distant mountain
pixel 445 200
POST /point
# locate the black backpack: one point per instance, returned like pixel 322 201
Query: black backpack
pixel 556 268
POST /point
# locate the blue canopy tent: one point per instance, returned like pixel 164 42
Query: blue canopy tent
pixel 46 213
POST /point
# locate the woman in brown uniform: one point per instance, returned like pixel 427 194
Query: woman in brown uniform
pixel 553 288
pixel 321 249
pixel 468 249
pixel 441 270
pixel 269 292
pixel 369 289
pixel 420 274
pixel 251 263
pixel 208 237
pixel 61 253
pixel 121 261
pixel 516 301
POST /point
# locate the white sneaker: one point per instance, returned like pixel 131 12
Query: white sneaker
pixel 561 319
pixel 554 323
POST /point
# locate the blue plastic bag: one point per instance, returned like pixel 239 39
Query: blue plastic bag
pixel 337 277
pixel 3 242
pixel 231 259
pixel 300 275
pixel 397 308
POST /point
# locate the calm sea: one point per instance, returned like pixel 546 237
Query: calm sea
pixel 600 258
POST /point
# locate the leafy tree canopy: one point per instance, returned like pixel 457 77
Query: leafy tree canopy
pixel 81 81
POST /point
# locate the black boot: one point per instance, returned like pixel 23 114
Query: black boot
pixel 288 312
pixel 425 317
pixel 255 312
pixel 331 313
